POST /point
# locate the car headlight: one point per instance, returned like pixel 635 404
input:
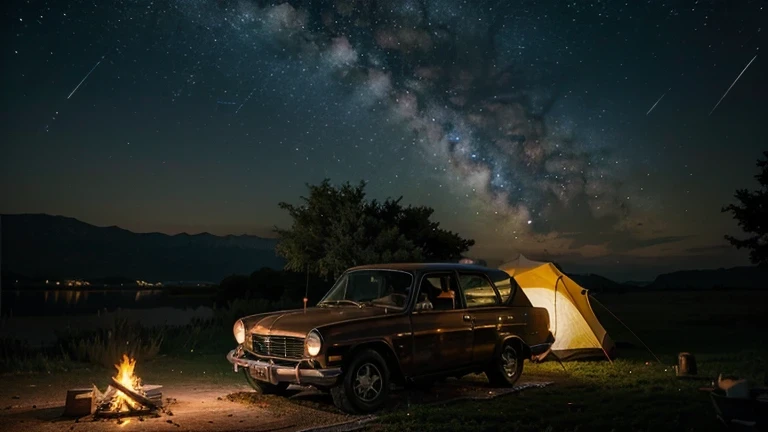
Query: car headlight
pixel 239 331
pixel 313 343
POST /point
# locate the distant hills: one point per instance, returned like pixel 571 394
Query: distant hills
pixel 598 284
pixel 725 278
pixel 45 246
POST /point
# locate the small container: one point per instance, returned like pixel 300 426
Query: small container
pixel 79 402
pixel 686 364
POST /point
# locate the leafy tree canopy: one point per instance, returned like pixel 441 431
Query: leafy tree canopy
pixel 752 215
pixel 337 227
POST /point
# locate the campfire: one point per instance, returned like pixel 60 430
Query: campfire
pixel 125 396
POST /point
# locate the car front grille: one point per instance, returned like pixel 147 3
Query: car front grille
pixel 278 346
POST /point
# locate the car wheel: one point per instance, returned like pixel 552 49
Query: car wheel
pixel 365 385
pixel 507 366
pixel 265 387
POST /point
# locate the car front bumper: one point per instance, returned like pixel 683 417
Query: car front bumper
pixel 268 371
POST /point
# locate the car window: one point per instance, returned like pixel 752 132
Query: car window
pixel 504 284
pixel 372 287
pixel 478 291
pixel 438 291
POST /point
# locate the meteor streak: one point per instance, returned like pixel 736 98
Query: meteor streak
pixel 734 83
pixel 657 102
pixel 85 77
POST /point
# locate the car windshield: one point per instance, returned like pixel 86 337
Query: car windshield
pixel 384 288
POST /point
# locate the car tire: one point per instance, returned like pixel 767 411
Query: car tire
pixel 265 387
pixel 364 387
pixel 507 365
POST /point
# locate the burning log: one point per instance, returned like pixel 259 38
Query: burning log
pixel 135 395
pixel 126 396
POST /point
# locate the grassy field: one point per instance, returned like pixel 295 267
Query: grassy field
pixel 726 331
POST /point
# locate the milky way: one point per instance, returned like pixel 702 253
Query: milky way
pixel 482 119
pixel 530 125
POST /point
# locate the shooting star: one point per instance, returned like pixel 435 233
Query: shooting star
pixel 246 100
pixel 657 102
pixel 733 84
pixel 86 77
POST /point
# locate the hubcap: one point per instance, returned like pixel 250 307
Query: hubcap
pixel 368 383
pixel 509 361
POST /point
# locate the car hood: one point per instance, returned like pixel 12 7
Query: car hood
pixel 298 323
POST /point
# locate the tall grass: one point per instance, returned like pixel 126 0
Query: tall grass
pixel 106 346
pixel 19 357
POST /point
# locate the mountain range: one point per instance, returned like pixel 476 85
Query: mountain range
pixel 46 246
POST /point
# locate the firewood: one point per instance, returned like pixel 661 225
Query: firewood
pixel 152 391
pixel 133 395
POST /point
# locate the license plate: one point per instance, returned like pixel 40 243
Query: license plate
pixel 259 373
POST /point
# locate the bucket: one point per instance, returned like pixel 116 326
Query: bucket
pixel 686 364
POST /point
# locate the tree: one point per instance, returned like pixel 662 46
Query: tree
pixel 752 215
pixel 336 228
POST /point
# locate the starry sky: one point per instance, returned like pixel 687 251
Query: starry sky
pixel 592 133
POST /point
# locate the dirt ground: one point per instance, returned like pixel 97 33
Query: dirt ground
pixel 203 395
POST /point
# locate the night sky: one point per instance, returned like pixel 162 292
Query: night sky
pixel 577 131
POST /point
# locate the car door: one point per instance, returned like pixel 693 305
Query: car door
pixel 487 314
pixel 516 307
pixel 442 334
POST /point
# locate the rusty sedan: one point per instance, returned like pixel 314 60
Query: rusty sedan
pixel 407 324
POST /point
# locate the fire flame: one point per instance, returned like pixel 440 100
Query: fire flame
pixel 125 376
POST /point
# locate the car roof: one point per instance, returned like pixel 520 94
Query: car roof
pixel 423 267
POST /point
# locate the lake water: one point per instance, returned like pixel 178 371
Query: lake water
pixel 34 315
pixel 26 302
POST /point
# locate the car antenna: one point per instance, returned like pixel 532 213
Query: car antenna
pixel 306 291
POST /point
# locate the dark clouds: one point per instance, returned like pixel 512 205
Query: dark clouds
pixel 717 248
pixel 618 241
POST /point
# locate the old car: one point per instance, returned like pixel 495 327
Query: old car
pixel 406 324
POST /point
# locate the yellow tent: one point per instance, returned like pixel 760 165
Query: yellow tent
pixel 578 333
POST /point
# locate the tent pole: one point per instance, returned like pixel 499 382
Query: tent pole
pixel 555 303
pixel 626 327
